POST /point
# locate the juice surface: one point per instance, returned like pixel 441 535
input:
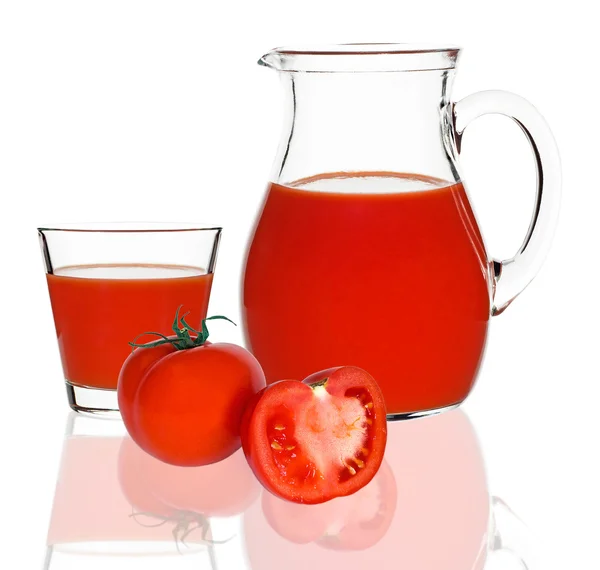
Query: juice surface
pixel 395 282
pixel 99 309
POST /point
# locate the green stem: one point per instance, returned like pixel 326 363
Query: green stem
pixel 182 339
pixel 188 326
pixel 152 344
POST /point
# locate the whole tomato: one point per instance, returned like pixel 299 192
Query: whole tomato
pixel 182 398
pixel 133 370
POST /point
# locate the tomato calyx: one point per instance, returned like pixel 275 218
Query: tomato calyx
pixel 319 383
pixel 182 340
pixel 184 524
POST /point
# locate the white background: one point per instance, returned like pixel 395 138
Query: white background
pixel 155 110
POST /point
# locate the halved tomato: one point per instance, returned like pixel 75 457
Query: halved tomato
pixel 310 441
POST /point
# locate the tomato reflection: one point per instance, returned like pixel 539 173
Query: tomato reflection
pixel 354 522
pixel 221 489
pixel 93 513
pixel 427 508
pixel 112 497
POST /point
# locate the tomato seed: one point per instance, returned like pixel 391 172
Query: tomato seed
pixel 279 427
pixel 359 462
pixel 276 445
pixel 364 451
pixel 351 469
pixel 369 421
pixel 369 405
pixel 290 447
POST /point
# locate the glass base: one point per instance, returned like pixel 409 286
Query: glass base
pixel 134 555
pixel 93 401
pixel 421 413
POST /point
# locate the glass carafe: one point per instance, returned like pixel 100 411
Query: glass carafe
pixel 367 251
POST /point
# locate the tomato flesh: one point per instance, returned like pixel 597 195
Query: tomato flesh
pixel 330 432
pixel 324 437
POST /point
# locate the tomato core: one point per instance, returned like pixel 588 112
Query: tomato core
pixel 332 431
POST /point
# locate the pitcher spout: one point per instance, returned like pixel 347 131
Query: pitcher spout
pixel 271 60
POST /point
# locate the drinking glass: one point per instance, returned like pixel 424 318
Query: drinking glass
pixel 110 283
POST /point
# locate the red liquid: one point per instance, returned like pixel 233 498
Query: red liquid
pixel 396 283
pixel 99 309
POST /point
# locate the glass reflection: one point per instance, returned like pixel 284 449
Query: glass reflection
pixel 428 508
pixel 116 505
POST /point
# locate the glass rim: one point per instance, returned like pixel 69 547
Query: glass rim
pixel 362 57
pixel 365 49
pixel 129 227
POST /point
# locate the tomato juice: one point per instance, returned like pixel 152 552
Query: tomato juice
pixel 383 271
pixel 99 309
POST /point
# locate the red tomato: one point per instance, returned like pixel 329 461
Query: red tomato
pixel 133 370
pixel 184 407
pixel 310 441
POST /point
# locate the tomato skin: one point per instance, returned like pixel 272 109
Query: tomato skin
pixel 245 439
pixel 292 434
pixel 188 407
pixel 132 372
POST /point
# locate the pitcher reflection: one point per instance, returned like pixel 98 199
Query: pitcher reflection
pixel 428 508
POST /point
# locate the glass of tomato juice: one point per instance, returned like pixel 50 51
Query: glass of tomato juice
pixel 109 283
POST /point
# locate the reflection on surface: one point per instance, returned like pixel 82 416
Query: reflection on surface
pixel 184 496
pixel 356 522
pixel 113 502
pixel 428 508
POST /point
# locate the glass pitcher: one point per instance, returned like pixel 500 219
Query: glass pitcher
pixel 367 251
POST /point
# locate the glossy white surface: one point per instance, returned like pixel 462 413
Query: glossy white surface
pixel 136 110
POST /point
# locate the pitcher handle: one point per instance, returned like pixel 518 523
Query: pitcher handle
pixel 512 275
pixel 510 539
